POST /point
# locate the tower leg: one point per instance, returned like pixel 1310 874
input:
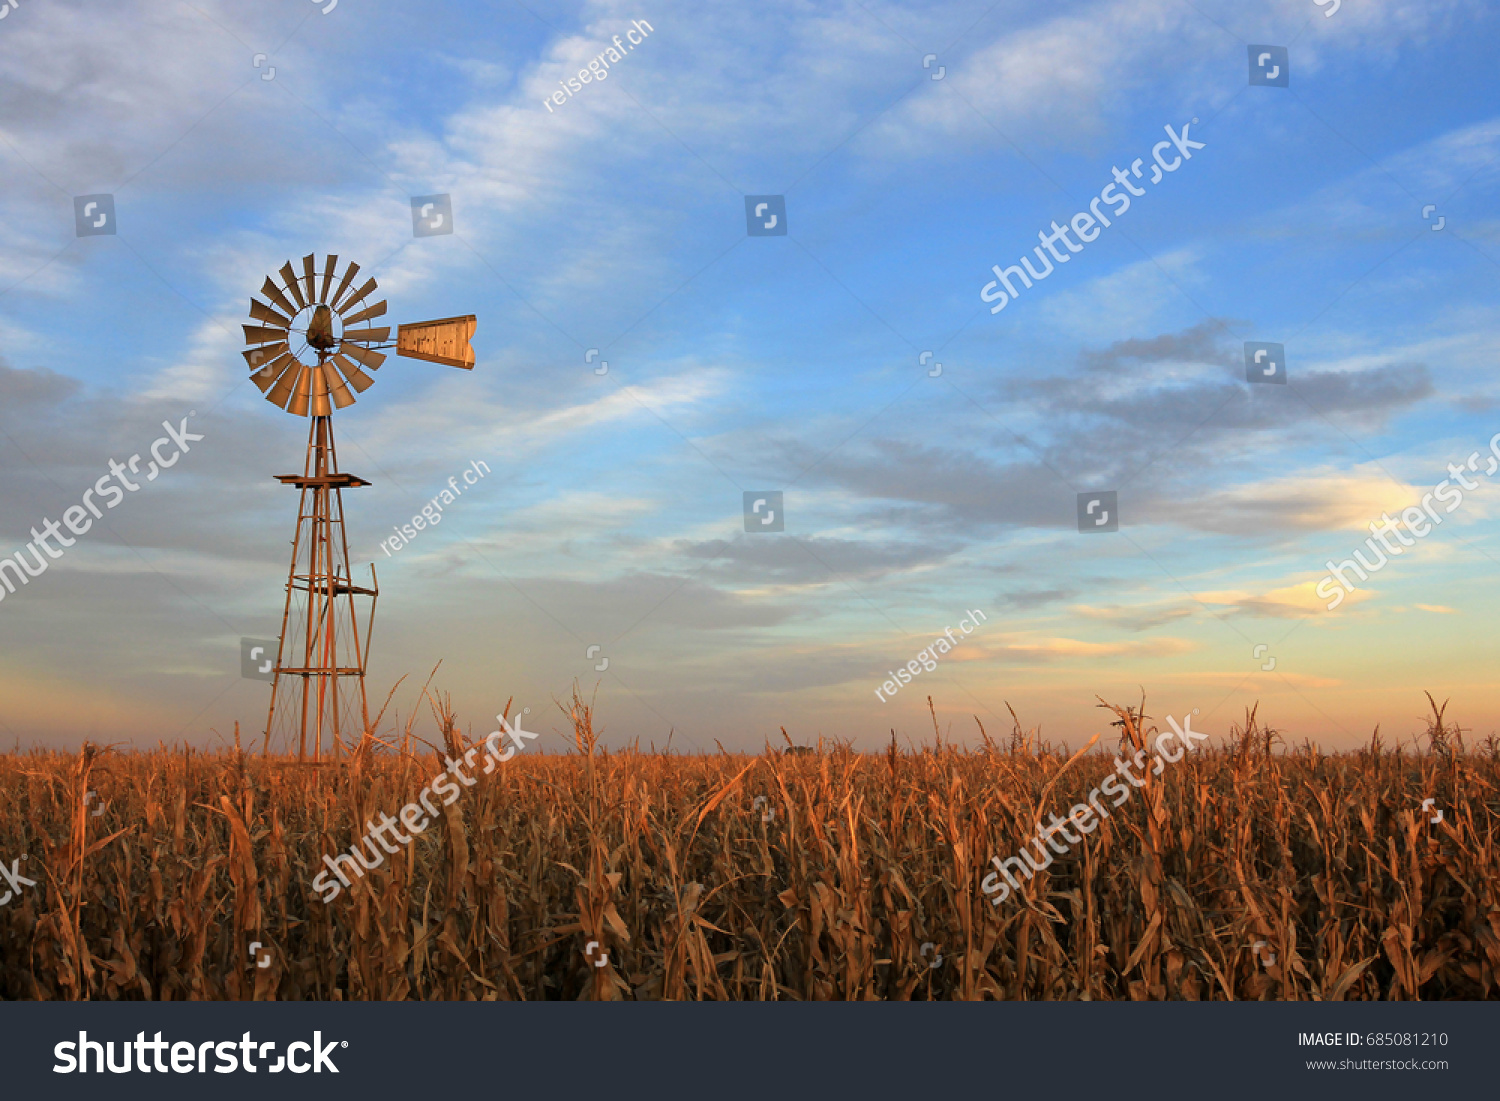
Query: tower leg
pixel 320 639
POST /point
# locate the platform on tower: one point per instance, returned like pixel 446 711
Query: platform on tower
pixel 333 481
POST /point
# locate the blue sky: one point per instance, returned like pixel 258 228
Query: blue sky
pixel 789 363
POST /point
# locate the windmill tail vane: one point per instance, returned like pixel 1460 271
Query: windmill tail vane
pixel 321 643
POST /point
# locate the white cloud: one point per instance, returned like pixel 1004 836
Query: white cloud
pixel 1128 299
pixel 1057 81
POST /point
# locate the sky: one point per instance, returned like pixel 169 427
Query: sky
pixel 930 454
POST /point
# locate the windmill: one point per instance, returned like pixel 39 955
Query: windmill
pixel 323 649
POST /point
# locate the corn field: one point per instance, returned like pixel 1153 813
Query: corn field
pixel 1248 870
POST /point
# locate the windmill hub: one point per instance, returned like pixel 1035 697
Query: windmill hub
pixel 320 330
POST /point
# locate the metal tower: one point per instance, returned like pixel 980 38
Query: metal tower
pixel 320 633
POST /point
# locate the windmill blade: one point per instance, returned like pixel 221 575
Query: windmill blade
pixel 273 292
pixel 280 393
pixel 259 334
pixel 444 341
pixel 290 279
pixel 257 358
pixel 261 312
pixel 311 275
pixel 350 301
pixel 328 266
pixel 357 378
pixel 344 285
pixel 266 376
pixel 368 336
pixel 335 388
pixel 320 406
pixel 272 372
pixel 302 395
pixel 376 310
pixel 370 359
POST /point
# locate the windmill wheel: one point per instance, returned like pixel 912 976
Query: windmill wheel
pixel 308 312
